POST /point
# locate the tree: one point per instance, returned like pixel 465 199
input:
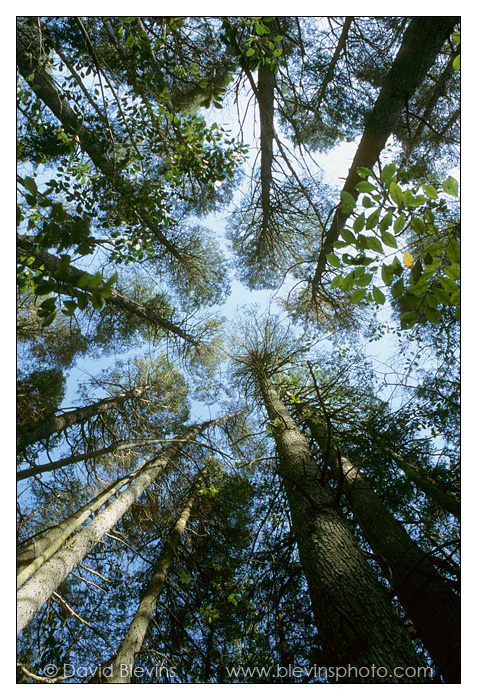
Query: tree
pixel 258 499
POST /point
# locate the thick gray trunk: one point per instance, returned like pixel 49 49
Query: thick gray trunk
pixel 356 621
pixel 426 597
pixel 123 663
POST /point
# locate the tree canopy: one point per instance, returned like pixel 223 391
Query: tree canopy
pixel 216 492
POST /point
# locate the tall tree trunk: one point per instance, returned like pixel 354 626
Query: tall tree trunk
pixel 357 624
pixel 426 597
pixel 266 88
pixel 48 427
pixel 52 264
pixel 40 551
pixel 46 580
pixel 123 663
pixel 421 44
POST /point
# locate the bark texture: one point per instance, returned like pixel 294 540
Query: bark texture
pixel 427 598
pixel 357 624
pixel 123 664
pixel 422 41
pixel 46 580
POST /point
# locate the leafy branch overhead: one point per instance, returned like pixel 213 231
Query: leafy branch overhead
pixel 425 277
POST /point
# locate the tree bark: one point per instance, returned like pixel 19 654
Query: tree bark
pixel 426 597
pixel 48 427
pixel 266 89
pixel 116 298
pixel 357 624
pixel 40 551
pixel 421 44
pixel 123 663
pixel 46 580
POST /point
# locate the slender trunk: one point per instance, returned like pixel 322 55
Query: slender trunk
pixel 266 88
pixel 123 664
pixel 340 46
pixel 426 597
pixel 46 580
pixel 356 621
pixel 116 298
pixel 444 500
pixel 40 551
pixel 74 459
pixel 421 44
pixel 48 427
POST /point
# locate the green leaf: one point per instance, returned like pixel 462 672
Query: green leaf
pixel 365 186
pixel 430 191
pixel 408 319
pixel 451 186
pixel 387 274
pixel 442 296
pixel 453 251
pixel 97 301
pixel 417 225
pixel 347 203
pixel 378 296
pixel 348 282
pixel 432 315
pixel 386 221
pixel 348 236
pixel 398 288
pixel 333 260
pixel 95 280
pixel 30 184
pixel 372 219
pixel 336 282
pixel 364 280
pixel 399 223
pixel 367 202
pixel 374 244
pixel 364 172
pixel 358 295
pixel 456 63
pixel 359 223
pixel 389 240
pixel 388 171
pixel 396 193
pixel 455 297
pixel 448 285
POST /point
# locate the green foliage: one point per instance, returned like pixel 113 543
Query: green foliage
pixel 422 283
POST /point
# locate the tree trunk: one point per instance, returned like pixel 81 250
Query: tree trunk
pixel 123 664
pixel 48 92
pixel 358 627
pixel 421 44
pixel 40 551
pixel 116 298
pixel 329 73
pixel 46 580
pixel 266 88
pixel 48 427
pixel 426 597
